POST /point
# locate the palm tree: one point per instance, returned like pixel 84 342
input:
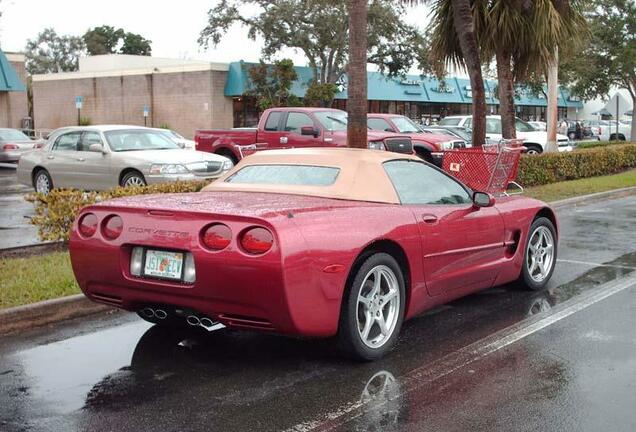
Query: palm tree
pixel 357 74
pixel 455 41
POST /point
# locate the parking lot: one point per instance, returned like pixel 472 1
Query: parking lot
pixel 14 211
pixel 500 360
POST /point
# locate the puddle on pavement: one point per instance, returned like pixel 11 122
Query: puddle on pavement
pixel 118 367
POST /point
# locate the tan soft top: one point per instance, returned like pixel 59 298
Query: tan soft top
pixel 361 177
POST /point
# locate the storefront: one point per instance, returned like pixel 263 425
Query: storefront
pixel 423 99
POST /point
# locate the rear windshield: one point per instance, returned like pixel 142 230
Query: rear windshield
pixel 12 134
pixel 291 175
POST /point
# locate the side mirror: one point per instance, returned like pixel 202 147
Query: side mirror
pixel 309 130
pixel 96 147
pixel 483 199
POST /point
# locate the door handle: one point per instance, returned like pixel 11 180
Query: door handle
pixel 429 218
pixel 50 157
pixel 81 159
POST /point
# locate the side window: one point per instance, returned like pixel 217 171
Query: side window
pixel 379 124
pixel 89 138
pixel 468 123
pixel 418 183
pixel 67 142
pixel 272 121
pixel 297 120
pixel 493 125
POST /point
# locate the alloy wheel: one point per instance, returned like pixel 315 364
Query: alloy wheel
pixel 540 254
pixel 42 183
pixel 134 181
pixel 378 306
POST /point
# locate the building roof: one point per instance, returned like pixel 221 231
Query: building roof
pixel 410 88
pixel 9 80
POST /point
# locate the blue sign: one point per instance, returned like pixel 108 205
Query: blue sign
pixel 146 110
pixel 78 102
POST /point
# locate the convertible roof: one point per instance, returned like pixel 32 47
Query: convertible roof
pixel 361 178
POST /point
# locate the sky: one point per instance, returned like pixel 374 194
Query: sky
pixel 173 27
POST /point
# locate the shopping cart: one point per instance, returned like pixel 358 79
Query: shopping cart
pixel 490 168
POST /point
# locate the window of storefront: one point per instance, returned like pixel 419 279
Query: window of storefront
pixel 246 113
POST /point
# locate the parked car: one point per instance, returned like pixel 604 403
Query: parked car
pixel 313 242
pixel 183 142
pixel 281 128
pixel 103 157
pixel 456 131
pixel 14 143
pixel 535 141
pixel 538 125
pixel 428 146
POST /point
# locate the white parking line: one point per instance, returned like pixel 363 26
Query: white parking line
pixel 591 264
pixel 454 361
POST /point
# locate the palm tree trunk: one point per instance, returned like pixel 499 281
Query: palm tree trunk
pixel 505 83
pixel 553 111
pixel 357 74
pixel 465 29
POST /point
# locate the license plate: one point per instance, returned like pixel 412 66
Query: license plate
pixel 163 264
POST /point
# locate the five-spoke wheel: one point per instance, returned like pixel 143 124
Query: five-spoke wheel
pixel 373 310
pixel 540 254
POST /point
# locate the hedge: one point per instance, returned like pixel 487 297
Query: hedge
pixel 555 167
pixel 55 212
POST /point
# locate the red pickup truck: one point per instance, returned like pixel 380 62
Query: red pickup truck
pixel 428 146
pixel 294 128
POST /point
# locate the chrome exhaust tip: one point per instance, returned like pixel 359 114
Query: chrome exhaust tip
pixel 148 312
pixel 161 314
pixel 193 320
pixel 207 322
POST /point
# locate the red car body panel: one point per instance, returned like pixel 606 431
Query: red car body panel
pixel 297 287
pixel 233 140
pixel 431 142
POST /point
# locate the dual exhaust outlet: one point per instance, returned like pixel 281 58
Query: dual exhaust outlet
pixel 192 320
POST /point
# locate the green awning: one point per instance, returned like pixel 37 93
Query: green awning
pixel 9 80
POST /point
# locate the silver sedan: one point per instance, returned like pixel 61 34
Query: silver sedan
pixel 14 143
pixel 102 157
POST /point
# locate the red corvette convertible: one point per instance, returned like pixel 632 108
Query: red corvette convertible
pixel 312 242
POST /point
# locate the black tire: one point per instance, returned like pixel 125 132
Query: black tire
pixel 424 155
pixel 533 149
pixel 526 278
pixel 228 154
pixel 133 178
pixel 41 177
pixel 621 137
pixel 572 135
pixel 349 337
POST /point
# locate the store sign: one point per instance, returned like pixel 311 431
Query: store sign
pixel 443 89
pixel 411 82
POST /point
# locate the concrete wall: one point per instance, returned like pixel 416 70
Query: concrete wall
pixel 186 101
pixel 13 105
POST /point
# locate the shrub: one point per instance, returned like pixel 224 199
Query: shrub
pixel 556 167
pixel 55 212
pixel 84 121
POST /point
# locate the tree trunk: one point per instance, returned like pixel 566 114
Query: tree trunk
pixel 465 29
pixel 357 74
pixel 505 82
pixel 553 111
pixel 632 92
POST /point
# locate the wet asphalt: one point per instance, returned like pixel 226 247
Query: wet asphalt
pixel 504 359
pixel 15 229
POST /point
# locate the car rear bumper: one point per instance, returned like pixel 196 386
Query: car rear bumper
pixel 10 156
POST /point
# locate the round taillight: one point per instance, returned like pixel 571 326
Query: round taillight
pixel 87 225
pixel 112 227
pixel 217 237
pixel 257 241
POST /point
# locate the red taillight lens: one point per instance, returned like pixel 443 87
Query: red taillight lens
pixel 10 147
pixel 217 236
pixel 87 224
pixel 113 227
pixel 38 145
pixel 257 241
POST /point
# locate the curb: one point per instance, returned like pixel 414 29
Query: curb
pixel 32 249
pixel 75 306
pixel 586 199
pixel 47 312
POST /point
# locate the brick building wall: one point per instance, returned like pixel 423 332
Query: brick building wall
pixel 13 105
pixel 184 100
